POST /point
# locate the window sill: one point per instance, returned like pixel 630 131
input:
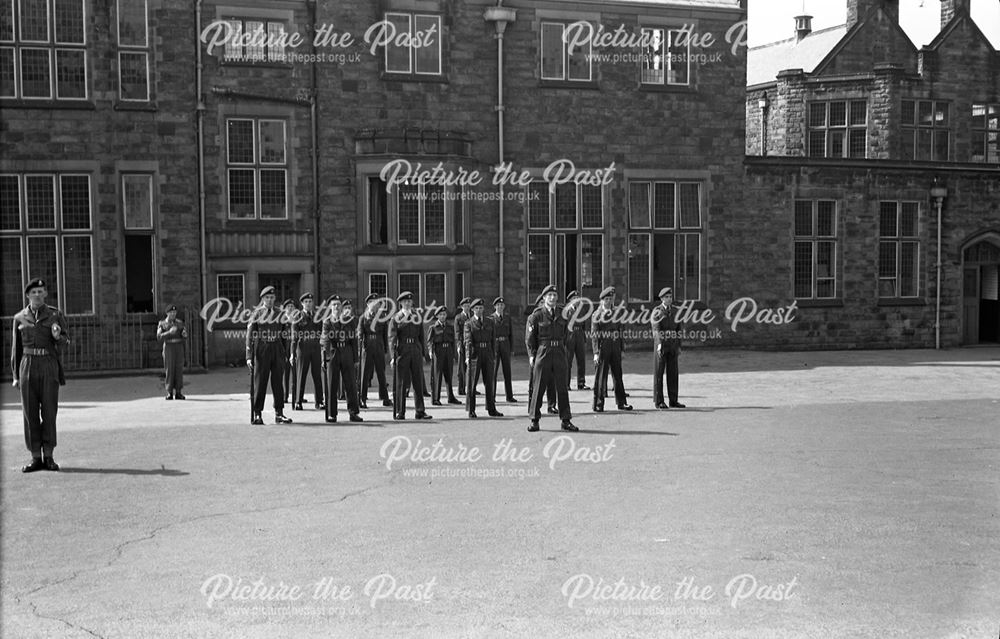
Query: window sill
pixel 389 76
pixel 20 103
pixel 250 64
pixel 902 301
pixel 121 105
pixel 819 303
pixel 587 85
pixel 667 88
pixel 376 250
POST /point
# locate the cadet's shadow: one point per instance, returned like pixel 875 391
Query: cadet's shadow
pixel 337 424
pixel 712 409
pixel 165 472
pixel 591 431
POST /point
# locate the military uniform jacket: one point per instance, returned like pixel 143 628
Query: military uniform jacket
pixel 34 330
pixel 338 334
pixel 373 335
pixel 442 334
pixel 406 332
pixel 503 330
pixel 306 332
pixel 544 328
pixel 666 329
pixel 477 333
pixel 163 333
pixel 266 327
pixel 606 335
pixel 460 319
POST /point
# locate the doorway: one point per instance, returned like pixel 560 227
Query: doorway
pixel 980 298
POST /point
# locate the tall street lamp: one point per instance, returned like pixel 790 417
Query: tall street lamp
pixel 938 194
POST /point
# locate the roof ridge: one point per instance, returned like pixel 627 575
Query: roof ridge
pixel 793 39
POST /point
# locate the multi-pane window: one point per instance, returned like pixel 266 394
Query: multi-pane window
pixel 985 133
pixel 424 214
pixel 815 249
pixel 665 57
pixel 43 52
pixel 255 40
pixel 664 244
pixel 140 258
pixel 230 286
pixel 412 282
pixel 378 283
pixel 898 249
pixel 434 289
pixel 565 237
pixel 925 131
pixel 557 60
pixel 133 50
pixel 414 43
pixel 46 231
pixel 257 168
pixel 838 129
pixel 421 216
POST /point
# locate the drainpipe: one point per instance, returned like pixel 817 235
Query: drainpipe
pixel 500 16
pixel 313 108
pixel 939 192
pixel 200 117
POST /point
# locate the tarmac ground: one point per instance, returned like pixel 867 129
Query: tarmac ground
pixel 808 494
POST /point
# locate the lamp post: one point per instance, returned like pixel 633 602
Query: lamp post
pixel 938 193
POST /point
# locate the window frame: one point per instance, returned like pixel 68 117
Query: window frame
pixel 257 166
pixel 565 59
pixel 666 54
pixel 827 128
pixel 813 239
pixel 53 46
pixel 268 56
pixel 988 152
pixel 910 132
pixel 243 287
pixel 898 240
pixel 411 71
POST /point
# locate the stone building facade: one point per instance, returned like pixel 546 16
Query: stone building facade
pixel 854 139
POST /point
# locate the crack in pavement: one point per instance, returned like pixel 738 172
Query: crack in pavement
pixel 119 549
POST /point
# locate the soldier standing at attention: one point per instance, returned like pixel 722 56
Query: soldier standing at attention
pixel 442 349
pixel 406 353
pixel 287 316
pixel 39 330
pixel 576 345
pixel 266 356
pixel 608 346
pixel 550 392
pixel 373 338
pixel 307 354
pixel 340 351
pixel 171 333
pixel 460 319
pixel 666 348
pixel 546 343
pixel 480 346
pixel 503 332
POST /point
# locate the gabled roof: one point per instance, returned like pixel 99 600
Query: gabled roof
pixel 765 61
pixel 952 25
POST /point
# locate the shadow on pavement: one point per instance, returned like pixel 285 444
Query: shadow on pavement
pixel 165 472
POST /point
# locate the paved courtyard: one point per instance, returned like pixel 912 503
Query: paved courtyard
pixel 834 494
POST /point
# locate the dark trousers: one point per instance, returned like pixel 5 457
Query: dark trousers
pixel 286 376
pixel 39 383
pixel 609 361
pixel 550 392
pixel 550 370
pixel 269 364
pixel 374 362
pixel 441 369
pixel 483 364
pixel 462 372
pixel 341 373
pixel 576 347
pixel 173 367
pixel 666 362
pixel 503 363
pixel 409 370
pixel 309 360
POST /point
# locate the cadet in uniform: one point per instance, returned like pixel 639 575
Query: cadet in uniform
pixel 550 392
pixel 39 331
pixel 480 346
pixel 373 338
pixel 340 352
pixel 503 331
pixel 406 352
pixel 442 351
pixel 666 348
pixel 307 354
pixel 576 346
pixel 266 349
pixel 347 316
pixel 171 332
pixel 288 313
pixel 608 346
pixel 546 343
pixel 461 317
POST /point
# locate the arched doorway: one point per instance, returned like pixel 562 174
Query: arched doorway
pixel 980 283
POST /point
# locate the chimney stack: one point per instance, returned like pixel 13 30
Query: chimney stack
pixel 803 27
pixel 951 8
pixel 858 9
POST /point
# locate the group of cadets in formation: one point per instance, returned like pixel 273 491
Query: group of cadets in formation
pixel 284 346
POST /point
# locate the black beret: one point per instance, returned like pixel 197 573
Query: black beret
pixel 477 302
pixel 608 292
pixel 35 283
pixel 465 300
pixel 267 290
pixel 498 300
pixel 666 290
pixel 288 302
pixel 551 288
pixel 405 295
pixel 571 295
pixel 305 296
pixel 371 296
pixel 172 307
